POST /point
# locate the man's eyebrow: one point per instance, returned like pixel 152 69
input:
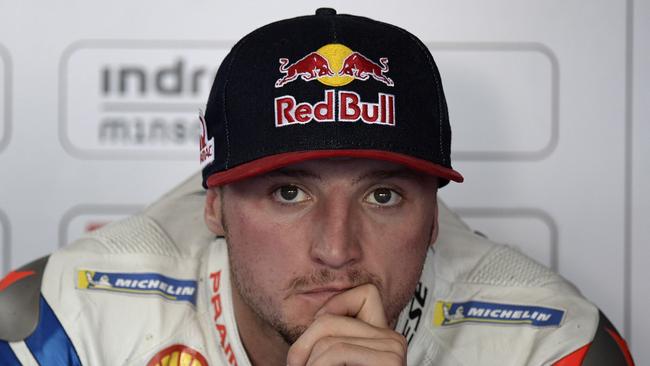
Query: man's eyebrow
pixel 387 174
pixel 293 173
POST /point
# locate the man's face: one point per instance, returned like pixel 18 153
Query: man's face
pixel 302 234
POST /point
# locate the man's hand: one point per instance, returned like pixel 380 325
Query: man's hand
pixel 350 329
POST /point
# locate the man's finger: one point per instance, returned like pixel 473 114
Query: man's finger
pixel 327 325
pixel 362 302
pixel 352 354
pixel 332 344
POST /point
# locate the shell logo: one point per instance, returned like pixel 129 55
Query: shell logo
pixel 178 355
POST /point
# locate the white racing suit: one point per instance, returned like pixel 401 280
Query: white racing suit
pixel 155 289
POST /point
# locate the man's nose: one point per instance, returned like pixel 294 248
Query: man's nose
pixel 335 241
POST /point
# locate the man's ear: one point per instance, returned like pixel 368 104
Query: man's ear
pixel 212 212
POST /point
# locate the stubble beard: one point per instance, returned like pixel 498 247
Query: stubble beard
pixel 268 309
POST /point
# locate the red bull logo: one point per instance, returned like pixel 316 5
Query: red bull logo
pixel 308 68
pixel 206 146
pixel 350 109
pixel 334 65
pixel 361 68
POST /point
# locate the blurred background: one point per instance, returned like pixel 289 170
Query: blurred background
pixel 548 99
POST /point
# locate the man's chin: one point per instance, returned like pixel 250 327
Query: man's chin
pixel 296 323
pixel 291 334
pixel 302 308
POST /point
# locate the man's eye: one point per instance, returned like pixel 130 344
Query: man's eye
pixel 290 194
pixel 383 197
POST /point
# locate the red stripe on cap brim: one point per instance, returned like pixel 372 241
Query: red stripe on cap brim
pixel 270 163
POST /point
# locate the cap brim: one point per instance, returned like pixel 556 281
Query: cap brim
pixel 270 163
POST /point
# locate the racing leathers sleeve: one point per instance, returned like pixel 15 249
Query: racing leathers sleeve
pixel 607 348
pixel 30 333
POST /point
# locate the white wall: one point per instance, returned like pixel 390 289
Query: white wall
pixel 548 102
pixel 639 220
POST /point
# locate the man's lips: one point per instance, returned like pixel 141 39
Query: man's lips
pixel 322 294
pixel 325 289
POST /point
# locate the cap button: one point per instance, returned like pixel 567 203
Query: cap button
pixel 325 11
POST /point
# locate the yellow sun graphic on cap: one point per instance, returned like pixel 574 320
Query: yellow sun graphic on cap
pixel 335 53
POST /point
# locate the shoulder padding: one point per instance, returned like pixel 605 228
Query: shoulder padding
pixel 506 266
pixel 606 349
pixel 19 298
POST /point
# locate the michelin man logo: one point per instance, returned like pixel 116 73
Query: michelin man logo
pixel 103 280
pixel 458 314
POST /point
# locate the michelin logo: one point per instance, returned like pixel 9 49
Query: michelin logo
pixel 449 313
pixel 138 283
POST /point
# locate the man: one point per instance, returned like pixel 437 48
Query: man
pixel 324 143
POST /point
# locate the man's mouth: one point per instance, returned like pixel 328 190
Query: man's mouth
pixel 321 294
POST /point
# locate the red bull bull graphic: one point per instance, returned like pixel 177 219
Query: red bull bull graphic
pixel 361 68
pixel 308 68
pixel 334 65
